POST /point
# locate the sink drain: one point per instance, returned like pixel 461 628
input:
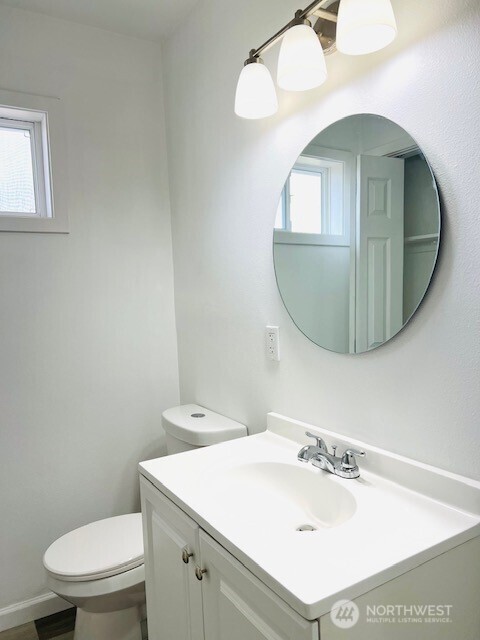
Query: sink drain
pixel 306 527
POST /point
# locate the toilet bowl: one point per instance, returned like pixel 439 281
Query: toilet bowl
pixel 99 567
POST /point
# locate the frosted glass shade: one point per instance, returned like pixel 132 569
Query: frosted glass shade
pixel 365 26
pixel 301 63
pixel 256 96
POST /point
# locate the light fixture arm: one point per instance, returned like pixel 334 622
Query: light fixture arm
pixel 313 9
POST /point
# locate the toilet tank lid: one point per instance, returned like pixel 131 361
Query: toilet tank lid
pixel 200 427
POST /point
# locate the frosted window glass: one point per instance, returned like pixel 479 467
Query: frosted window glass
pixel 306 202
pixel 17 193
pixel 279 224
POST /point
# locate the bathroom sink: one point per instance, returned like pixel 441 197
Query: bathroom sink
pixel 279 496
pixel 314 537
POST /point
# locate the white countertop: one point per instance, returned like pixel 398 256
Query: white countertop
pixel 251 494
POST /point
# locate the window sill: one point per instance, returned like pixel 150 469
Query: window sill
pixel 289 237
pixel 31 224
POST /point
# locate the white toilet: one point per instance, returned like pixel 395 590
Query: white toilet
pixel 99 567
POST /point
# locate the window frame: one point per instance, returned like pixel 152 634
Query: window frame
pixel 40 186
pixel 43 117
pixel 310 161
pixel 323 173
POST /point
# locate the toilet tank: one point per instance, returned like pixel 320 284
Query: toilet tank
pixel 190 426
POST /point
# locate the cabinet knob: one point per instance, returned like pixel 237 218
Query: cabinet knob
pixel 186 555
pixel 199 573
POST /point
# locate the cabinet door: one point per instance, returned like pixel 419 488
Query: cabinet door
pixel 174 595
pixel 237 606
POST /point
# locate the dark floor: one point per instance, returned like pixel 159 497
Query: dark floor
pixel 59 626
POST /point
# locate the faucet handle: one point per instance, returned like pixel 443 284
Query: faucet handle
pixel 348 458
pixel 320 442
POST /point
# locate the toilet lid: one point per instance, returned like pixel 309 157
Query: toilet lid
pixel 97 550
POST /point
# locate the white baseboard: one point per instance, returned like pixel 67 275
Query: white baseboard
pixel 29 610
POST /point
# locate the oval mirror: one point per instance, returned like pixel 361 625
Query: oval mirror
pixel 356 234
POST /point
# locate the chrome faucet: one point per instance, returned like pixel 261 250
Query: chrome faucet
pixel 344 466
pixel 307 453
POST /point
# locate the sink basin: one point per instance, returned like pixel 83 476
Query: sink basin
pixel 279 496
pixel 310 536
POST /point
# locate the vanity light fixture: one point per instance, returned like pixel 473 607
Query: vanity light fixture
pixel 355 27
pixel 256 96
pixel 365 27
pixel 301 63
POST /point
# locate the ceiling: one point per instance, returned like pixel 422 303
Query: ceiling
pixel 150 19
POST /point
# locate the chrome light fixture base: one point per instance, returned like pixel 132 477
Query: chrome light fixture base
pixel 326 27
pixel 315 9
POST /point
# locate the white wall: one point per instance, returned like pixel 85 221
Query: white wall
pixel 87 334
pixel 314 281
pixel 418 395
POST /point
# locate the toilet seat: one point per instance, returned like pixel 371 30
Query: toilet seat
pixel 92 591
pixel 98 550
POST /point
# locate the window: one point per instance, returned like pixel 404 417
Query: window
pixel 315 203
pixel 17 190
pixel 300 209
pixel 26 131
pixel 24 182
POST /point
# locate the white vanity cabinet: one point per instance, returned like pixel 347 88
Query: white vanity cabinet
pixel 228 603
pixel 237 606
pixel 174 595
pixel 402 542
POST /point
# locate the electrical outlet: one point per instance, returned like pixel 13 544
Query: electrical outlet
pixel 273 343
